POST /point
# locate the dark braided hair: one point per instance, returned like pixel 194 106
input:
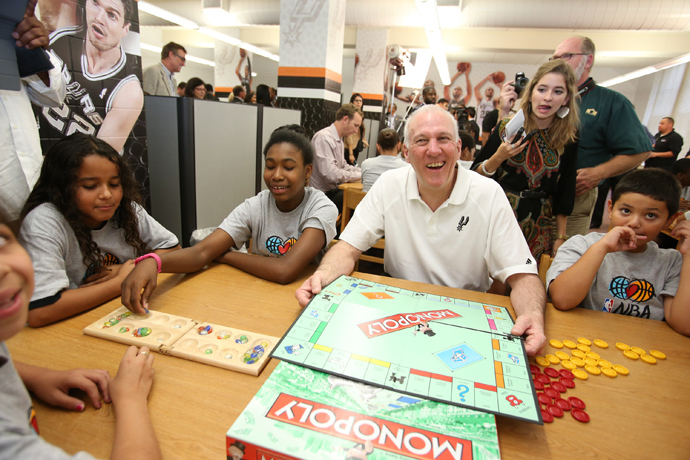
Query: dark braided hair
pixel 57 185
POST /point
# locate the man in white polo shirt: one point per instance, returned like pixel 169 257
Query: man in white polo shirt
pixel 443 225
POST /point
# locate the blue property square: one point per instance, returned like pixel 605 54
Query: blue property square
pixel 458 356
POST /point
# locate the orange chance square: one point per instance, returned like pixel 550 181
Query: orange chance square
pixel 376 295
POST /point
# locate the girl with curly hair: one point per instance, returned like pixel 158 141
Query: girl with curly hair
pixel 83 226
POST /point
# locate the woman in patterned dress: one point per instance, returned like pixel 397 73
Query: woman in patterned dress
pixel 538 174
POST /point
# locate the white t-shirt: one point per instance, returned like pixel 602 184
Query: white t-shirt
pixel 472 236
pixel 57 258
pixel 274 232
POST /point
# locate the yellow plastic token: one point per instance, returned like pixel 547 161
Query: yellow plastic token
pixel 631 355
pixel 638 350
pixel 568 365
pixel 608 372
pixel 622 347
pixel 556 343
pixel 578 362
pixel 590 362
pixel 543 362
pixel 591 354
pixel 569 344
pixel 621 369
pixel 584 341
pixel 604 364
pixel 601 343
pixel 562 355
pixel 552 359
pixel 580 374
pixel 657 354
pixel 648 359
pixel 594 370
pixel 583 347
pixel 578 353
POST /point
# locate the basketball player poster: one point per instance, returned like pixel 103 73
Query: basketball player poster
pixel 97 44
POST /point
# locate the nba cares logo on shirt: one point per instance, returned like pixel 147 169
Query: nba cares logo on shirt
pixel 278 247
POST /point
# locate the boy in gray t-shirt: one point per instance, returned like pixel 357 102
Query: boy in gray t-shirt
pixel 624 271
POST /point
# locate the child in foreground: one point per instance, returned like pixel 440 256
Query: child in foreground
pixel 83 228
pixel 128 390
pixel 624 271
pixel 289 225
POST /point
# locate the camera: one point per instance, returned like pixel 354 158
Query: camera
pixel 520 83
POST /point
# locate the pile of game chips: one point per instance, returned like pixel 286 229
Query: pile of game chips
pixel 551 385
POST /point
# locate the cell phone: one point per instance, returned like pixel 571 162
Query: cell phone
pixel 530 135
pixel 518 135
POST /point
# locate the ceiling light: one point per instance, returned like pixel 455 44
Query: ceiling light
pixel 179 20
pixel 153 10
pixel 647 70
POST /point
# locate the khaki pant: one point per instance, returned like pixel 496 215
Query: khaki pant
pixel 578 221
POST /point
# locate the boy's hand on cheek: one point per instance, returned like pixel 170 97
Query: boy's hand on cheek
pixel 621 239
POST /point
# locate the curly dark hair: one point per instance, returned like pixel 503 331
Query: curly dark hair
pixel 57 185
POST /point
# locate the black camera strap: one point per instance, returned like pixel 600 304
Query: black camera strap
pixel 586 87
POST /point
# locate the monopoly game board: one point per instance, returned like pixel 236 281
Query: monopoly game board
pixel 432 347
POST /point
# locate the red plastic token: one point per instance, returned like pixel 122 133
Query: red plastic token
pixel 562 403
pixel 559 386
pixel 579 415
pixel 551 372
pixel 565 373
pixel 576 402
pixel 552 393
pixel 544 399
pixel 538 386
pixel 534 369
pixel 546 416
pixel 555 410
pixel 568 383
pixel 543 379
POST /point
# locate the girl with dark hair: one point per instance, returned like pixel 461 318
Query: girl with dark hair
pixel 538 174
pixel 263 95
pixel 195 88
pixel 250 98
pixel 289 224
pixel 83 227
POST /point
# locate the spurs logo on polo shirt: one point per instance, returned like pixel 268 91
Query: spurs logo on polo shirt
pixel 463 221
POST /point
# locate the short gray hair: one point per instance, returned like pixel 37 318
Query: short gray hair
pixel 430 108
pixel 587 46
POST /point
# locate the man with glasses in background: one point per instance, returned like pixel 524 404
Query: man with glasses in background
pixel 612 140
pixel 159 79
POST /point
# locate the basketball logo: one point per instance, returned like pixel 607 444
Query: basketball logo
pixel 637 290
pixel 640 290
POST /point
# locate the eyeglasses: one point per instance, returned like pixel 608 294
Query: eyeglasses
pixel 567 56
pixel 182 58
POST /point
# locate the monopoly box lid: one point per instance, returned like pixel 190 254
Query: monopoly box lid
pixel 300 413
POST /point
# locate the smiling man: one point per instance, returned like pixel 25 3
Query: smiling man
pixel 443 225
pixel 104 95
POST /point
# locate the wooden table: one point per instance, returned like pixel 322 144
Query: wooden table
pixel 355 185
pixel 643 415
